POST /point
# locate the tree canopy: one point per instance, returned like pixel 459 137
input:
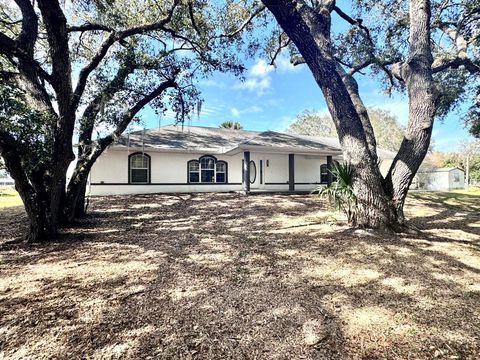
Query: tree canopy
pixel 233 125
pixel 388 132
pixel 91 66
pixel 429 49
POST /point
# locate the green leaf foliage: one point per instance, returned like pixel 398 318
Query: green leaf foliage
pixel 388 132
pixel 233 125
pixel 340 193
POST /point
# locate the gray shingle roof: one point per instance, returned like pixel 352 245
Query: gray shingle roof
pixel 218 140
pixel 171 137
pixel 444 169
pixel 281 140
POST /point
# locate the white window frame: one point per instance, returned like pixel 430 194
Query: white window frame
pixel 139 168
pixel 201 168
pixel 224 172
pixel 194 172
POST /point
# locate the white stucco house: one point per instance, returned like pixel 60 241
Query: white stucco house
pixel 441 179
pixel 193 159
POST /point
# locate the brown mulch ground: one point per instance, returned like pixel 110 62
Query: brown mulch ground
pixel 223 276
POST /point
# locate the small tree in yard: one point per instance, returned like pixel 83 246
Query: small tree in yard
pixel 97 69
pixel 429 48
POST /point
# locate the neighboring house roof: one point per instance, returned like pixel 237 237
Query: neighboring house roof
pixel 445 169
pixel 228 141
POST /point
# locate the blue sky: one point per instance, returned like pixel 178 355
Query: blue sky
pixel 269 99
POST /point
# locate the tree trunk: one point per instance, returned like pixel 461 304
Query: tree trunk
pixel 32 193
pixel 89 151
pixel 422 95
pixel 75 200
pixel 310 31
pixel 467 173
pixel 81 207
pixel 40 229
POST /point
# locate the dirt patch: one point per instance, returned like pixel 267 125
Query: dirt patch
pixel 210 276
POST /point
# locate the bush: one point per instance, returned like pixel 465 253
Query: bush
pixel 340 193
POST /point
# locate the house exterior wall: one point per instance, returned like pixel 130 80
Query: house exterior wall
pixel 109 175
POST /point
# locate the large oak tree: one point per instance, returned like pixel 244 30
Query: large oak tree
pixel 419 63
pixel 97 64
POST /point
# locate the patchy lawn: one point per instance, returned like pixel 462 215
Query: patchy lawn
pixel 223 276
pixel 9 197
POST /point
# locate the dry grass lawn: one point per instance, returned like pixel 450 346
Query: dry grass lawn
pixel 223 276
pixel 9 197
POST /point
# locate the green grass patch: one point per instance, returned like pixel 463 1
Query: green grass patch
pixel 9 197
pixel 460 197
pixel 473 190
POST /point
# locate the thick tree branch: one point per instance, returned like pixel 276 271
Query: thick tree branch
pixel 28 35
pixel 449 63
pixel 9 152
pixel 23 50
pixel 130 113
pixel 278 49
pixel 192 18
pixel 56 26
pixel 9 48
pixel 89 27
pixel 372 58
pixel 245 23
pixel 461 49
pixel 87 121
pixel 113 38
pixel 355 22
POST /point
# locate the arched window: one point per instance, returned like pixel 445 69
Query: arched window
pixel 206 170
pixel 139 168
pixel 324 174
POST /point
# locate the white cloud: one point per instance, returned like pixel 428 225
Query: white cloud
pixel 235 112
pixel 248 110
pixel 283 123
pixel 209 109
pixel 258 79
pixel 260 69
pixel 212 83
pixel 260 86
pixel 284 65
pixel 253 109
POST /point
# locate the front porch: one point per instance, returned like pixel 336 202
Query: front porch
pixel 252 169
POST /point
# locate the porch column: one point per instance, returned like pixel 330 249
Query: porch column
pixel 329 167
pixel 291 172
pixel 246 172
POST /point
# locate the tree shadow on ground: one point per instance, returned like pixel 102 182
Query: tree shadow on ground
pixel 228 276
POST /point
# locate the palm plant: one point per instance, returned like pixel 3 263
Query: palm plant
pixel 340 192
pixel 233 125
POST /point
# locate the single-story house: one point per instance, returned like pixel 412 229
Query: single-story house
pixel 193 159
pixel 439 179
